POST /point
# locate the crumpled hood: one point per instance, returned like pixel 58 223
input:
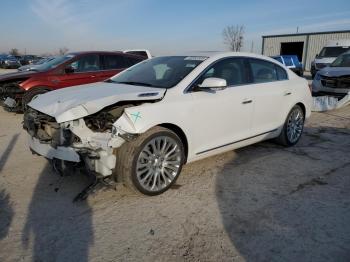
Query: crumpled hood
pixel 79 101
pixel 335 71
pixel 14 75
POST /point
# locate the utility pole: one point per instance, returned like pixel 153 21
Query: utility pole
pixel 252 47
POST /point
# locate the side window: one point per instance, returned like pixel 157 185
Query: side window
pixel 114 62
pixel 233 70
pixel 88 63
pixel 263 71
pixel 281 73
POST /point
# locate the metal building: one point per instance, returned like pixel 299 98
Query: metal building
pixel 305 45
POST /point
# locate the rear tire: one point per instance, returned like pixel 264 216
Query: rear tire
pixel 152 162
pixel 31 95
pixel 292 128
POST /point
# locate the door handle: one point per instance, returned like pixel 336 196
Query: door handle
pixel 248 101
pixel 287 93
pixel 92 76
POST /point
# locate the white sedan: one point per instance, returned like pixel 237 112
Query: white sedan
pixel 142 125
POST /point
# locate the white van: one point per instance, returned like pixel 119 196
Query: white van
pixel 328 54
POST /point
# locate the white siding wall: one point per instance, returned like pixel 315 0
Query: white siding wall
pixel 317 42
pixel 272 45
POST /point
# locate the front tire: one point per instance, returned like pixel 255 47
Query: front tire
pixel 152 162
pixel 292 128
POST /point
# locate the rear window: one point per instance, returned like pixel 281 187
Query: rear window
pixel 114 62
pixel 263 71
pixel 140 53
pixel 281 73
pixel 132 60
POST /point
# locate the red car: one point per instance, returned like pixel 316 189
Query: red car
pixel 18 89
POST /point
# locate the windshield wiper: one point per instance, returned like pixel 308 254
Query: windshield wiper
pixel 134 83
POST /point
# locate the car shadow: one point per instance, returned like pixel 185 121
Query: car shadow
pixel 289 204
pixel 4 157
pixel 6 213
pixel 56 229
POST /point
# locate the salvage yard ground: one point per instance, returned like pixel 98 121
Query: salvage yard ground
pixel 260 203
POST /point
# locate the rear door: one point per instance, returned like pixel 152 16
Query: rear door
pixel 86 70
pixel 272 92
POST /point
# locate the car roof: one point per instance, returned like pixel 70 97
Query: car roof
pixel 94 52
pixel 222 54
pixel 104 52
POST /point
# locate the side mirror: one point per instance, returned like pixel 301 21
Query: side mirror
pixel 69 70
pixel 316 56
pixel 212 83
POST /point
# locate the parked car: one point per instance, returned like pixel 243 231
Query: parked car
pixel 292 62
pixel 145 123
pixel 328 54
pixel 18 89
pixel 10 62
pixel 141 52
pixel 32 67
pixel 28 59
pixel 334 80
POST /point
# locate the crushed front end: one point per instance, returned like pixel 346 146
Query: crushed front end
pixel 87 141
pixel 11 94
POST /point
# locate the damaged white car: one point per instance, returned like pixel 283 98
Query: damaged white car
pixel 142 125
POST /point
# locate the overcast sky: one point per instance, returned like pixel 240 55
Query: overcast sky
pixel 42 26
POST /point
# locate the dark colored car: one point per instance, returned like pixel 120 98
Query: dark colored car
pixel 18 89
pixel 10 61
pixel 292 62
pixel 28 59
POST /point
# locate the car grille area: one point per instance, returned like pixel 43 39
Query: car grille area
pixel 336 82
pixel 46 129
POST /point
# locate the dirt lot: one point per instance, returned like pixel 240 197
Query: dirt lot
pixel 260 203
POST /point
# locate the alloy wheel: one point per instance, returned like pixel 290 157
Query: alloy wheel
pixel 158 163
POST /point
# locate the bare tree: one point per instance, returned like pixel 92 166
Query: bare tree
pixel 233 37
pixel 14 51
pixel 63 51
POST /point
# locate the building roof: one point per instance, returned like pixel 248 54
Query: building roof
pixel 310 33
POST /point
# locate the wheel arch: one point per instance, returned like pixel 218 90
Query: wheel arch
pixel 302 107
pixel 180 133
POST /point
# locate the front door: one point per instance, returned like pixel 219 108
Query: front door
pixel 86 70
pixel 223 117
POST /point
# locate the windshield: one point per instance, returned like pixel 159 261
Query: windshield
pixel 333 51
pixel 342 61
pixel 162 72
pixel 53 63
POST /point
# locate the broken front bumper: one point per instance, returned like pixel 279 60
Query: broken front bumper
pixel 46 150
pixel 100 161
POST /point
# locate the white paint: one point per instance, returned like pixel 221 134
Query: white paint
pixel 209 119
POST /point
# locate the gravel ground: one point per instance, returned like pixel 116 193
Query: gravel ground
pixel 260 203
pixel 4 71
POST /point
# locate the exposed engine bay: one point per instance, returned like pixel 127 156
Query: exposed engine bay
pixel 89 140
